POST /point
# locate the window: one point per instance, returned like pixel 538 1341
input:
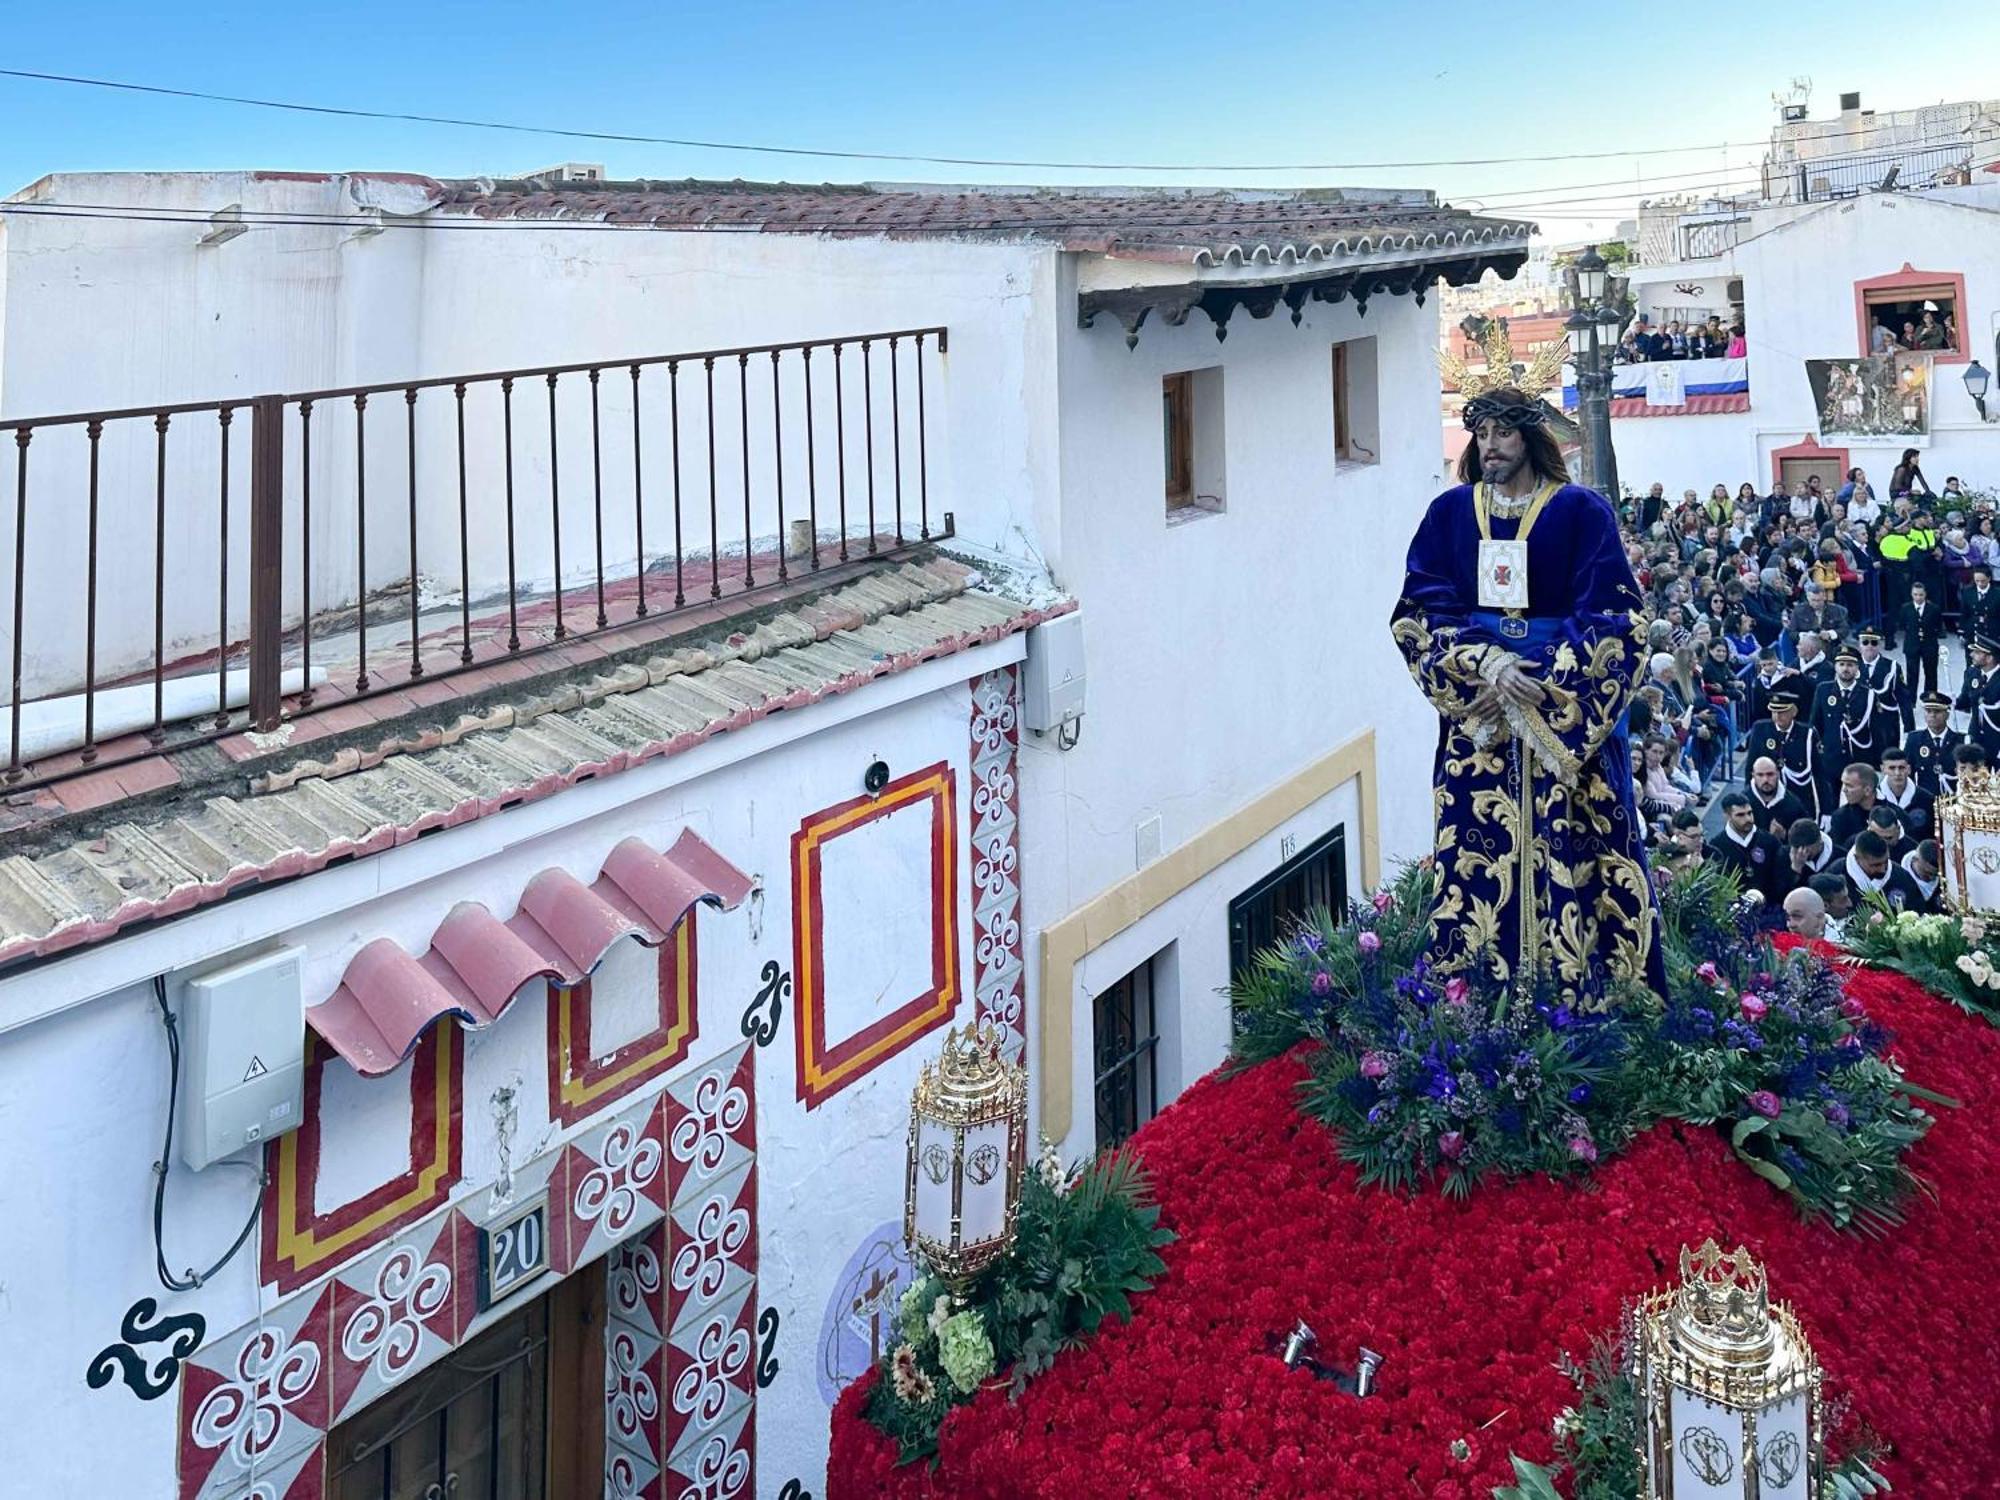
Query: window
pixel 1356 408
pixel 1912 310
pixel 1313 878
pixel 1191 434
pixel 1127 1046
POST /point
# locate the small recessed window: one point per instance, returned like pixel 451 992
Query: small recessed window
pixel 1192 439
pixel 1126 1052
pixel 1356 405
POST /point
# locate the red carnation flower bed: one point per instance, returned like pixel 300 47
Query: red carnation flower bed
pixel 1471 1303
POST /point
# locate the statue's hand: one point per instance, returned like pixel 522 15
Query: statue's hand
pixel 1517 687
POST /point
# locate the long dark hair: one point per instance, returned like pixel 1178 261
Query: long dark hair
pixel 1544 456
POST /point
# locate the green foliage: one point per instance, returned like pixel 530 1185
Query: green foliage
pixel 1082 1249
pixel 1947 955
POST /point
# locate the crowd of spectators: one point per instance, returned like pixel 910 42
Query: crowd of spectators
pixel 1793 685
pixel 1646 342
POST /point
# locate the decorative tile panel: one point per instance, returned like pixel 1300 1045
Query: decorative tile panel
pixel 999 987
pixel 256 1400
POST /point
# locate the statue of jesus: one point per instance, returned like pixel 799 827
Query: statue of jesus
pixel 1519 621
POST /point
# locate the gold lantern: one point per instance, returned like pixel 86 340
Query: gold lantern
pixel 1968 823
pixel 1728 1387
pixel 968 1144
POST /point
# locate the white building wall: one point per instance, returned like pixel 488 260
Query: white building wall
pixel 1227 651
pixel 83 1099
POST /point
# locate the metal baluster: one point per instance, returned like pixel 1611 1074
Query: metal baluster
pixel 674 415
pixel 94 431
pixel 923 455
pixel 868 430
pixel 361 535
pixel 840 447
pixel 597 497
pixel 22 437
pixel 306 550
pixel 638 497
pixel 464 540
pixel 555 502
pixel 507 424
pixel 743 412
pixel 778 458
pixel 714 530
pixel 896 430
pixel 159 730
pixel 410 445
pixel 812 477
pixel 223 414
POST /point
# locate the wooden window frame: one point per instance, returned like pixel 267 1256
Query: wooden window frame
pixel 1911 285
pixel 1177 415
pixel 1127 1085
pixel 1343 426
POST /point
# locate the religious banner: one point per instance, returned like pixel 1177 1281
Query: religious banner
pixel 1665 385
pixel 1883 396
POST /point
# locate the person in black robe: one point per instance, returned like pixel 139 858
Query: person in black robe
pixel 1981 697
pixel 1857 800
pixel 1920 628
pixel 1788 740
pixel 1978 605
pixel 1870 871
pixel 1755 857
pixel 1895 704
pixel 1899 789
pixel 1932 747
pixel 1776 809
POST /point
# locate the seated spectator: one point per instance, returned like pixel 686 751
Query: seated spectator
pixel 1887 824
pixel 1925 867
pixel 1869 871
pixel 1831 888
pixel 1659 797
pixel 1808 850
pixel 1805 913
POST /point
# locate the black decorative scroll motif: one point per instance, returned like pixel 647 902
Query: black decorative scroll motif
pixel 760 1028
pixel 149 1376
pixel 794 1490
pixel 767 1358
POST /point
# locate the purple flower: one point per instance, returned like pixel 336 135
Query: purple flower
pixel 1764 981
pixel 1849 1043
pixel 1837 1115
pixel 1322 983
pixel 1374 1065
pixel 1852 1008
pixel 1309 942
pixel 1457 991
pixel 1580 1093
pixel 1369 943
pixel 1382 901
pixel 1583 1148
pixel 1765 1103
pixel 1755 1008
pixel 1378 1114
pixel 1451 1145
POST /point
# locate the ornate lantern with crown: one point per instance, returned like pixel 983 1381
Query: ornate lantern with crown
pixel 1969 841
pixel 968 1144
pixel 1729 1390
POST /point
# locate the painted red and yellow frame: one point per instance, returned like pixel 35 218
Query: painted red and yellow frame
pixel 298 1242
pixel 826 1066
pixel 580 1086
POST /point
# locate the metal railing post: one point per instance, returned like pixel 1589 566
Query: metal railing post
pixel 267 558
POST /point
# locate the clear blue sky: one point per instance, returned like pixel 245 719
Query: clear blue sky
pixel 1279 81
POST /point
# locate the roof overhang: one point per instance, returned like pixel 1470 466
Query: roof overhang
pixel 1261 288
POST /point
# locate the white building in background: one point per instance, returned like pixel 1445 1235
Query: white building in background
pixel 1810 282
pixel 575 992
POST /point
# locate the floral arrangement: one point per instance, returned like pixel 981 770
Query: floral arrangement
pixel 1424 1077
pixel 1945 954
pixel 1085 1242
pixel 1470 1302
pixel 1598 1439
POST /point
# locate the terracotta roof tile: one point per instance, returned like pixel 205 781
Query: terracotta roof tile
pixel 169 857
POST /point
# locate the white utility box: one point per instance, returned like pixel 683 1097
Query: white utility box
pixel 242 1032
pixel 1052 683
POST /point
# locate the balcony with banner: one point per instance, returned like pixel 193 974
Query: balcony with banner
pixel 1673 388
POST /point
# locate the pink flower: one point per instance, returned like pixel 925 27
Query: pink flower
pixel 1583 1148
pixel 1765 1103
pixel 1852 1008
pixel 1708 974
pixel 1322 983
pixel 1457 991
pixel 1374 1065
pixel 1755 1008
pixel 1382 901
pixel 1369 943
pixel 1451 1145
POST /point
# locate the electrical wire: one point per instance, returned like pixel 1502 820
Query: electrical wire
pixel 193 1279
pixel 830 153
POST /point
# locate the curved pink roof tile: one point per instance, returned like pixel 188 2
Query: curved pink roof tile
pixel 477 963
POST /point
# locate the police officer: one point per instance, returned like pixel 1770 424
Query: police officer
pixel 1789 741
pixel 1982 700
pixel 1895 709
pixel 1978 604
pixel 1920 626
pixel 1843 717
pixel 1930 748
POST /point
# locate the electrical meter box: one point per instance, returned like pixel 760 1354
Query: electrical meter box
pixel 242 1031
pixel 1052 683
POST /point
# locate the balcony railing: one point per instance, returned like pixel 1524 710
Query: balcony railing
pixel 180 571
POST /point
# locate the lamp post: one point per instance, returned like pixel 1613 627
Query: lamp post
pixel 1977 379
pixel 1592 329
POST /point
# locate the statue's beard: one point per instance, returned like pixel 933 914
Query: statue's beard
pixel 1500 468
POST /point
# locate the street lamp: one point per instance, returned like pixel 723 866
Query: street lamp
pixel 1977 379
pixel 1592 329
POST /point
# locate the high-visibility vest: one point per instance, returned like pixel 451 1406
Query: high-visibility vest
pixel 1897 545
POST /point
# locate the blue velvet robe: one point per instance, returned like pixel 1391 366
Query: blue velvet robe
pixel 1540 848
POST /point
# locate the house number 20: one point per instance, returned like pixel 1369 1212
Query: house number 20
pixel 512 1251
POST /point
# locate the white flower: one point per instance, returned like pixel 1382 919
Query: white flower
pixel 1964 963
pixel 940 1313
pixel 1972 929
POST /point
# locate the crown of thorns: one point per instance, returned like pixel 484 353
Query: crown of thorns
pixel 1515 414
